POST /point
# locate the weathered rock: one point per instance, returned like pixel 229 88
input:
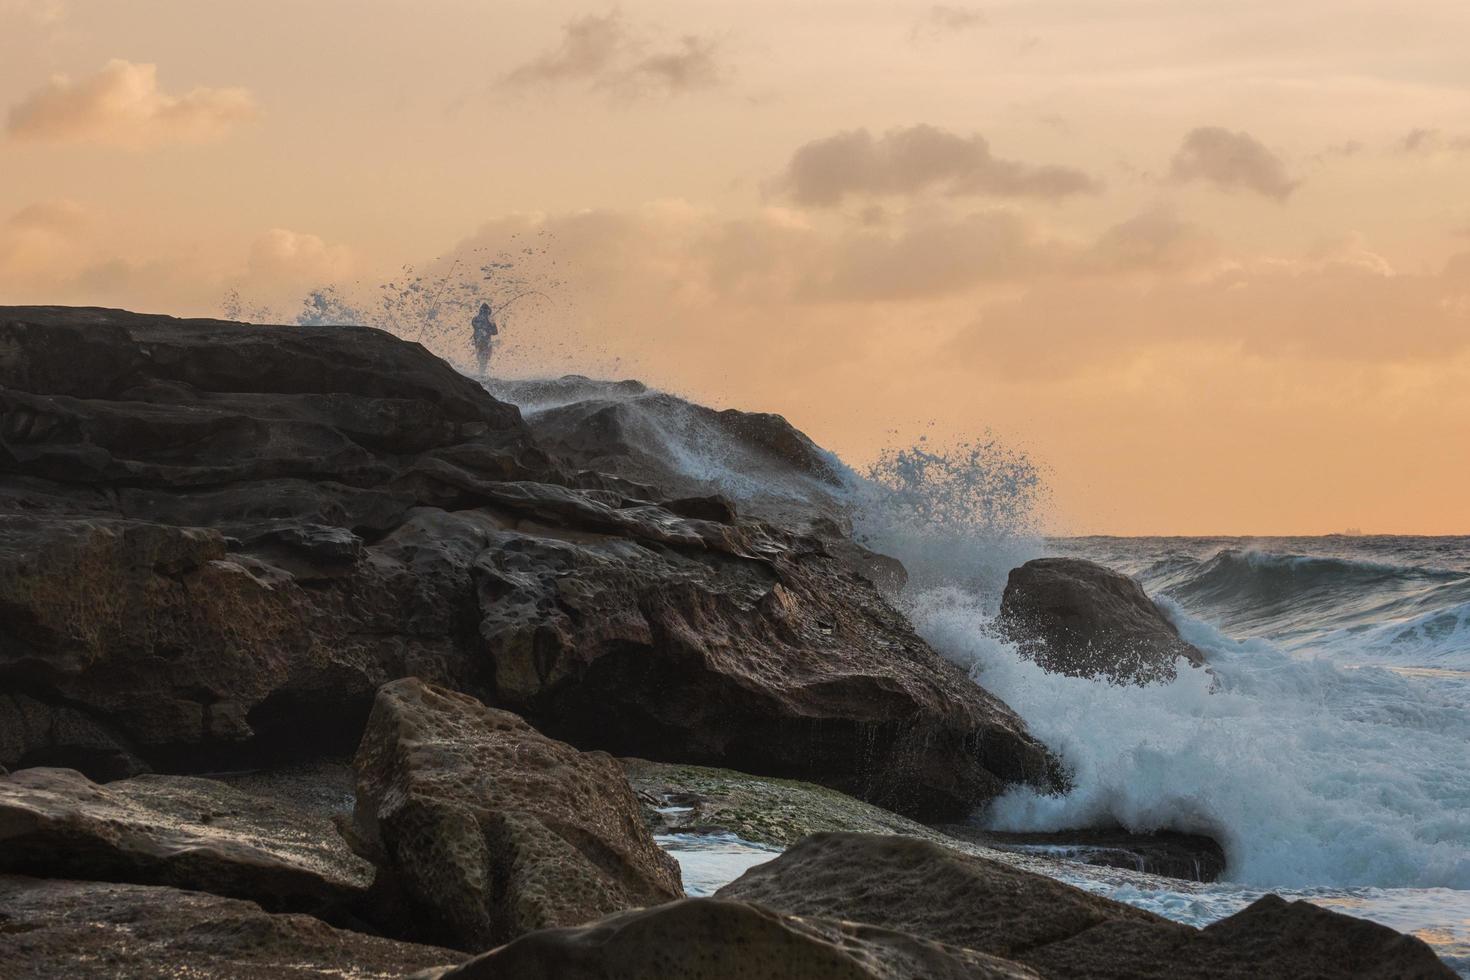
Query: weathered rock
pixel 494 830
pixel 1074 616
pixel 759 460
pixel 938 894
pixel 218 540
pixel 1191 857
pixel 707 939
pixel 179 831
pixel 687 799
pixel 931 891
pixel 79 930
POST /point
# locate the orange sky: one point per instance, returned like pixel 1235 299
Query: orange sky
pixel 1208 262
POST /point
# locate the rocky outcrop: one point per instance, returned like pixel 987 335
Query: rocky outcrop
pixel 759 460
pixel 493 830
pixel 83 930
pixel 180 831
pixel 936 893
pixel 707 939
pixel 1073 616
pixel 218 540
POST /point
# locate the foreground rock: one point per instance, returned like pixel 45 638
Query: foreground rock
pixel 763 810
pixel 494 830
pixel 935 893
pixel 80 930
pixel 1073 616
pixel 180 831
pixel 218 540
pixel 1190 857
pixel 707 939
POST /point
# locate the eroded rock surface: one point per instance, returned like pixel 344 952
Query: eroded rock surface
pixel 80 930
pixel 494 830
pixel 180 831
pixel 708 939
pixel 1074 616
pixel 936 893
pixel 218 540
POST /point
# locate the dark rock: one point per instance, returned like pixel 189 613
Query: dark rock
pixel 942 895
pixel 1073 616
pixel 919 887
pixel 216 557
pixel 1271 938
pixel 708 939
pixel 494 830
pixel 180 831
pixel 767 466
pixel 80 930
pixel 1192 857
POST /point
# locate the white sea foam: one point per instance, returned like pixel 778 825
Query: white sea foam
pixel 1307 773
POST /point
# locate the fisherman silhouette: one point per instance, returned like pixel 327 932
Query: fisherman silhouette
pixel 484 336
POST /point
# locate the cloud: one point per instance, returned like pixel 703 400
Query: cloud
pixel 44 13
pixel 1426 141
pixel 1232 162
pixel 943 20
pixel 825 172
pixel 605 52
pixel 285 257
pixel 61 216
pixel 41 240
pixel 121 105
pixel 1154 241
pixel 1343 306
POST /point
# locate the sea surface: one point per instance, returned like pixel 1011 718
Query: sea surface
pixel 1329 753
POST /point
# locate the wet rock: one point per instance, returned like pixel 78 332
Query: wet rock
pixel 180 831
pixel 80 930
pixel 1073 616
pixel 494 830
pixel 762 462
pixel 684 799
pixel 707 939
pixel 1191 857
pixel 939 894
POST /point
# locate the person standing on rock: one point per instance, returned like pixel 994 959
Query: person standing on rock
pixel 483 337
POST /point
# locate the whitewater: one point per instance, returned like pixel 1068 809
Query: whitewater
pixel 1327 749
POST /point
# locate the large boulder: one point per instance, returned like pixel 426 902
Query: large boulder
pixel 707 939
pixel 180 831
pixel 935 893
pixel 218 540
pixel 85 930
pixel 493 830
pixel 1074 616
pixel 920 887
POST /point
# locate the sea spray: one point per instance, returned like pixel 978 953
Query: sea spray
pixel 1306 772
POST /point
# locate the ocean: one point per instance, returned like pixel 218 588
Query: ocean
pixel 1329 753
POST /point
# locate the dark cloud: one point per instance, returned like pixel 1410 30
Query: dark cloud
pixel 825 172
pixel 943 20
pixel 606 52
pixel 1232 161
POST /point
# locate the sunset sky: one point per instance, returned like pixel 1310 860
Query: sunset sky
pixel 1207 260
